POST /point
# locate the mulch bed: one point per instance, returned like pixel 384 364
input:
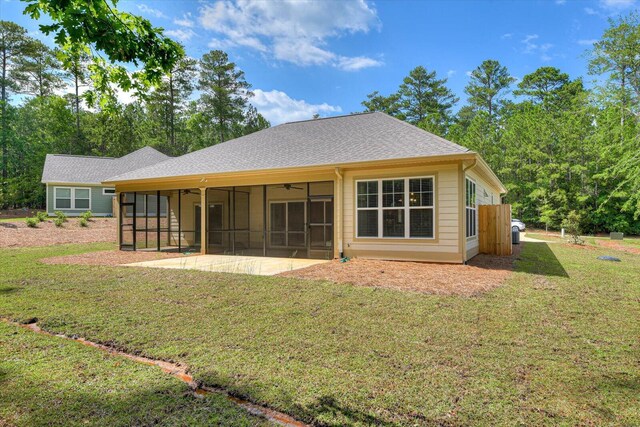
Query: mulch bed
pixel 611 244
pixel 110 258
pixel 482 274
pixel 18 235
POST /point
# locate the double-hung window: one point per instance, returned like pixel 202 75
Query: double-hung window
pixel 471 208
pixel 395 208
pixel 421 213
pixel 367 208
pixel 72 198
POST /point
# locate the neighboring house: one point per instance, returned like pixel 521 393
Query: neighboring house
pixel 74 183
pixel 363 185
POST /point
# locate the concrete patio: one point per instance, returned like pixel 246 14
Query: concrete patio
pixel 261 266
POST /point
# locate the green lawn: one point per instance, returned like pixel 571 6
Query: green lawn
pixel 545 237
pixel 633 241
pixel 13 219
pixel 50 381
pixel 557 345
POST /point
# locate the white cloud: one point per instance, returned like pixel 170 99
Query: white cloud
pixel 185 21
pixel 609 8
pixel 122 96
pixel 531 46
pixel 278 107
pixel 151 11
pixel 506 36
pixel 291 30
pixel 355 63
pixel 451 73
pixel 561 2
pixel 224 44
pixel 468 73
pixel 617 4
pixel 587 42
pixel 125 97
pixel 181 34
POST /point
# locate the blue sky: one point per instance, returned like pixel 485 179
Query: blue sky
pixel 326 56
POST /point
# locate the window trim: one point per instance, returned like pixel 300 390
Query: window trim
pixel 406 209
pixel 73 198
pixel 110 189
pixel 471 208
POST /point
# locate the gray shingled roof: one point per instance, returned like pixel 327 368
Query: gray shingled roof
pixel 330 141
pixel 93 170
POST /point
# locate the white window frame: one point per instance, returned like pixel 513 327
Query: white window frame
pixel 406 208
pixel 73 198
pixel 104 191
pixel 286 223
pixel 474 209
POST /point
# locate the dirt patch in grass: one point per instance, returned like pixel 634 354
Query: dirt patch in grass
pixel 18 235
pixel 482 274
pixel 583 246
pixel 617 246
pixel 110 258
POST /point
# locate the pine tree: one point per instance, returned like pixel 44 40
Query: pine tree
pixel 38 70
pixel 424 99
pixel 13 44
pixel 225 93
pixel 488 83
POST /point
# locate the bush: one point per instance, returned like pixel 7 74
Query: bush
pixel 61 215
pixel 83 222
pixel 41 216
pixel 32 222
pixel 58 221
pixel 87 215
pixel 571 224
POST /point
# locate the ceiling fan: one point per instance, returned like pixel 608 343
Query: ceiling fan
pixel 290 187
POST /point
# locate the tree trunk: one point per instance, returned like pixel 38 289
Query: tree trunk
pixel 172 134
pixel 623 106
pixel 221 125
pixel 5 153
pixel 77 101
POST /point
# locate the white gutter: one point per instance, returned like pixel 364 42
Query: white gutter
pixel 472 165
pixel 339 201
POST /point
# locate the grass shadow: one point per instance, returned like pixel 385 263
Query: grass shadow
pixel 329 406
pixel 538 258
pixel 157 405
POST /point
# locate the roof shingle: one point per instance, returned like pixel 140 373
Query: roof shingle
pixel 334 140
pixel 64 168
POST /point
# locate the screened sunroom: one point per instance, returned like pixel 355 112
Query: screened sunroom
pixel 293 220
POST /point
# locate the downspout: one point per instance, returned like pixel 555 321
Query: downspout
pixel 339 218
pixel 463 233
pixel 472 165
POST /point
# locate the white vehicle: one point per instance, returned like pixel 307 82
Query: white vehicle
pixel 518 225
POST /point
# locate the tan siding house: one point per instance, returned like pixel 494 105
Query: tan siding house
pixel 364 185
